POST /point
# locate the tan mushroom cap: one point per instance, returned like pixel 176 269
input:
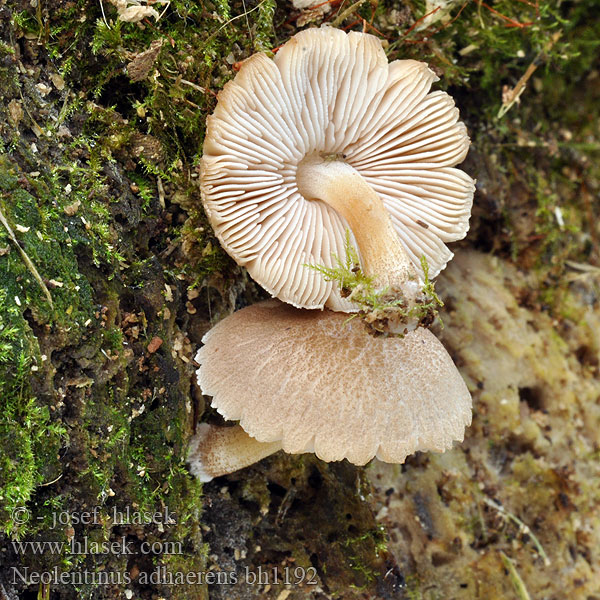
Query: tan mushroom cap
pixel 316 383
pixel 331 94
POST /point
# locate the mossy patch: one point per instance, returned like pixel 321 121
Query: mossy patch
pixel 297 517
pixel 384 311
pixel 95 415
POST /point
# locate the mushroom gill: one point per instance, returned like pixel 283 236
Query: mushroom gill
pixel 298 146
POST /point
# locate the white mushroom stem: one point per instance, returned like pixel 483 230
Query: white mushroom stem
pixel 340 186
pixel 216 451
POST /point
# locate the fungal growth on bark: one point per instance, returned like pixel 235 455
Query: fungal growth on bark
pixel 329 137
pixel 308 381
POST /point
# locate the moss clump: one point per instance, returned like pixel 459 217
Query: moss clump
pixel 93 419
pixel 30 440
pixel 76 431
pixel 30 434
pixel 380 308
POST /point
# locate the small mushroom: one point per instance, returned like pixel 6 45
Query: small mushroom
pixel 309 381
pixel 215 451
pixel 328 137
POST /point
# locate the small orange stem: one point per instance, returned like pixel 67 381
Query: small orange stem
pixel 351 25
pixel 423 39
pixel 421 19
pixel 511 22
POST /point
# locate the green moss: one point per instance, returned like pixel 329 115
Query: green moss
pixel 30 435
pixel 263 40
pixel 172 102
pixel 378 307
pixel 369 544
pixel 30 440
pixel 97 420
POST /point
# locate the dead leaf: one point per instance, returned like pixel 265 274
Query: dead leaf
pixel 142 63
pixel 15 112
pixel 155 344
pixel 71 209
pixel 58 81
pixel 134 14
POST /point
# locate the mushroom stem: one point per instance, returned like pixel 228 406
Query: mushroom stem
pixel 216 451
pixel 340 186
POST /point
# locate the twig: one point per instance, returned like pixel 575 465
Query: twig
pixel 193 85
pixel 524 528
pixel 510 22
pixel 104 15
pixel 583 271
pixel 420 20
pixel 346 13
pixel 514 95
pixel 51 482
pixel 39 132
pixel 26 259
pixel 248 23
pixel 517 582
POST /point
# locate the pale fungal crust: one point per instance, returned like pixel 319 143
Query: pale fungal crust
pixel 216 451
pixel 313 382
pixel 331 96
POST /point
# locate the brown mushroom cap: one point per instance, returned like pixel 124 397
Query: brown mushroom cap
pixel 317 383
pixel 331 94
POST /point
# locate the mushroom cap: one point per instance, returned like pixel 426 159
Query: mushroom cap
pixel 318 383
pixel 334 94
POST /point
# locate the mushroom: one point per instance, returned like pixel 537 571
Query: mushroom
pixel 216 451
pixel 328 137
pixel 310 381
